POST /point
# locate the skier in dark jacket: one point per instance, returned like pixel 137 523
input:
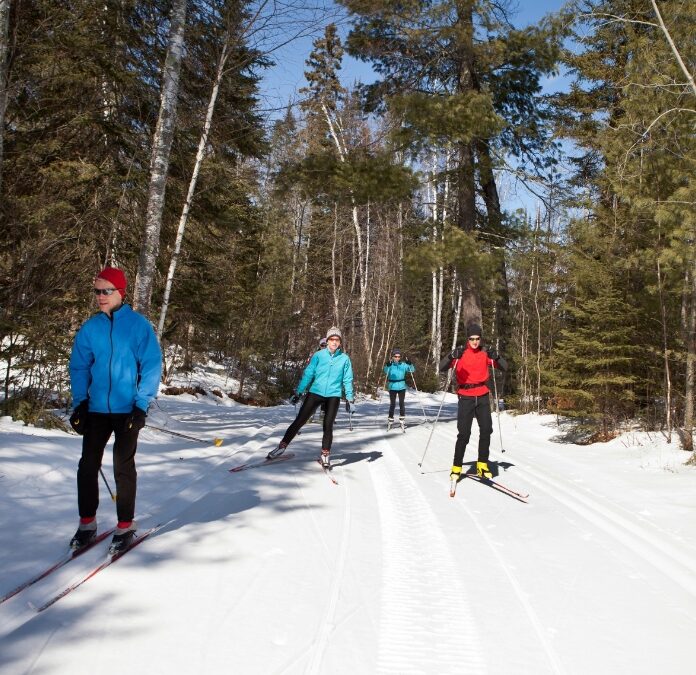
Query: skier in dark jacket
pixel 471 373
pixel 327 376
pixel 396 371
pixel 115 369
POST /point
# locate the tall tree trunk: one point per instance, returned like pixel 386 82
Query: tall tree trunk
pixel 665 355
pixel 466 185
pixel 192 184
pixel 159 162
pixel 688 437
pixel 4 75
pixel 495 219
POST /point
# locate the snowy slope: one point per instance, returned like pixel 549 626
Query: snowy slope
pixel 278 570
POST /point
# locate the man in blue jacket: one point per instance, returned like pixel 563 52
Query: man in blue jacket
pixel 115 369
pixel 328 374
pixel 396 372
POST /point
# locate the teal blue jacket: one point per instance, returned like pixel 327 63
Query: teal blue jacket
pixel 328 375
pixel 116 362
pixel 396 375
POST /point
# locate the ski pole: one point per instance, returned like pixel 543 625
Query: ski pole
pixel 216 441
pixel 437 417
pixel 113 496
pixel 415 386
pixel 497 410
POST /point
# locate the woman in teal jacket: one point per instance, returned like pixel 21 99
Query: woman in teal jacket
pixel 396 372
pixel 328 374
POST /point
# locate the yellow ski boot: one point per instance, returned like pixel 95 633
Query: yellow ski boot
pixel 455 475
pixel 482 470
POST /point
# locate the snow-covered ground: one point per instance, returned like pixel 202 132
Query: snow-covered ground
pixel 278 570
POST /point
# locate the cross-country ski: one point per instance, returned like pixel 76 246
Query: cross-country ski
pixel 262 462
pixel 110 559
pixel 57 565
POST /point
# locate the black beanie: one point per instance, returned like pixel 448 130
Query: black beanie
pixel 473 329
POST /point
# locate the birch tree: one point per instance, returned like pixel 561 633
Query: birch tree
pixel 159 162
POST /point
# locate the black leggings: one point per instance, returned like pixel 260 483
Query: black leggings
pixel 470 407
pixel 98 430
pixel 392 402
pixel 309 405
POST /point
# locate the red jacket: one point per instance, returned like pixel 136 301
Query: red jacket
pixel 472 368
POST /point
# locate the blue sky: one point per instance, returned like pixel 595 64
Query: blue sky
pixel 282 82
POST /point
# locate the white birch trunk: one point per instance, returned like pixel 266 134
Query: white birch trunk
pixel 334 282
pixel 159 162
pixel 334 130
pixel 202 143
pixel 665 355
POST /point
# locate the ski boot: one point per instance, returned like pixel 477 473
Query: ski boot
pixel 277 451
pixel 325 461
pixel 455 475
pixel 123 538
pixel 390 421
pixel 482 470
pixel 402 422
pixel 85 535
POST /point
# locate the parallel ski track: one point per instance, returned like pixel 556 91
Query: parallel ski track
pixel 554 660
pixel 317 647
pixel 637 534
pixel 425 612
pixel 653 545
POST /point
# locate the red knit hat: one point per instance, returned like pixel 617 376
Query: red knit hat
pixel 115 276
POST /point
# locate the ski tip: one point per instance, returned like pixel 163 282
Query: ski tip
pixel 218 442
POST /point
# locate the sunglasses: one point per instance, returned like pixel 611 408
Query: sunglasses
pixel 474 339
pixel 105 291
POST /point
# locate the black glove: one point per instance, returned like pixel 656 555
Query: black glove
pixel 349 407
pixel 136 420
pixel 406 360
pixel 493 354
pixel 78 420
pixel 457 352
pixel 295 398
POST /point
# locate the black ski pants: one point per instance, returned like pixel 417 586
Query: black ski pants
pixel 392 402
pixel 98 430
pixel 470 407
pixel 309 405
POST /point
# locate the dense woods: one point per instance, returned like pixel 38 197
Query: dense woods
pixel 132 134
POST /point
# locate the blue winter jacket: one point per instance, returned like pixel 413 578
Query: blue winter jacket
pixel 328 374
pixel 396 375
pixel 116 361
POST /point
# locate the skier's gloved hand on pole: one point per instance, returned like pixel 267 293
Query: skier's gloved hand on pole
pixel 136 420
pixel 350 407
pixel 295 398
pixel 493 355
pixel 454 355
pixel 406 360
pixel 78 420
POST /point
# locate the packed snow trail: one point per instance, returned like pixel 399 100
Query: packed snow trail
pixel 277 570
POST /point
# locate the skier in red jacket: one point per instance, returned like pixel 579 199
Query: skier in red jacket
pixel 471 372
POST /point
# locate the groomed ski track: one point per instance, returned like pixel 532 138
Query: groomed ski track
pixel 277 570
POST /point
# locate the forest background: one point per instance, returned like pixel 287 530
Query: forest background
pixel 135 134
